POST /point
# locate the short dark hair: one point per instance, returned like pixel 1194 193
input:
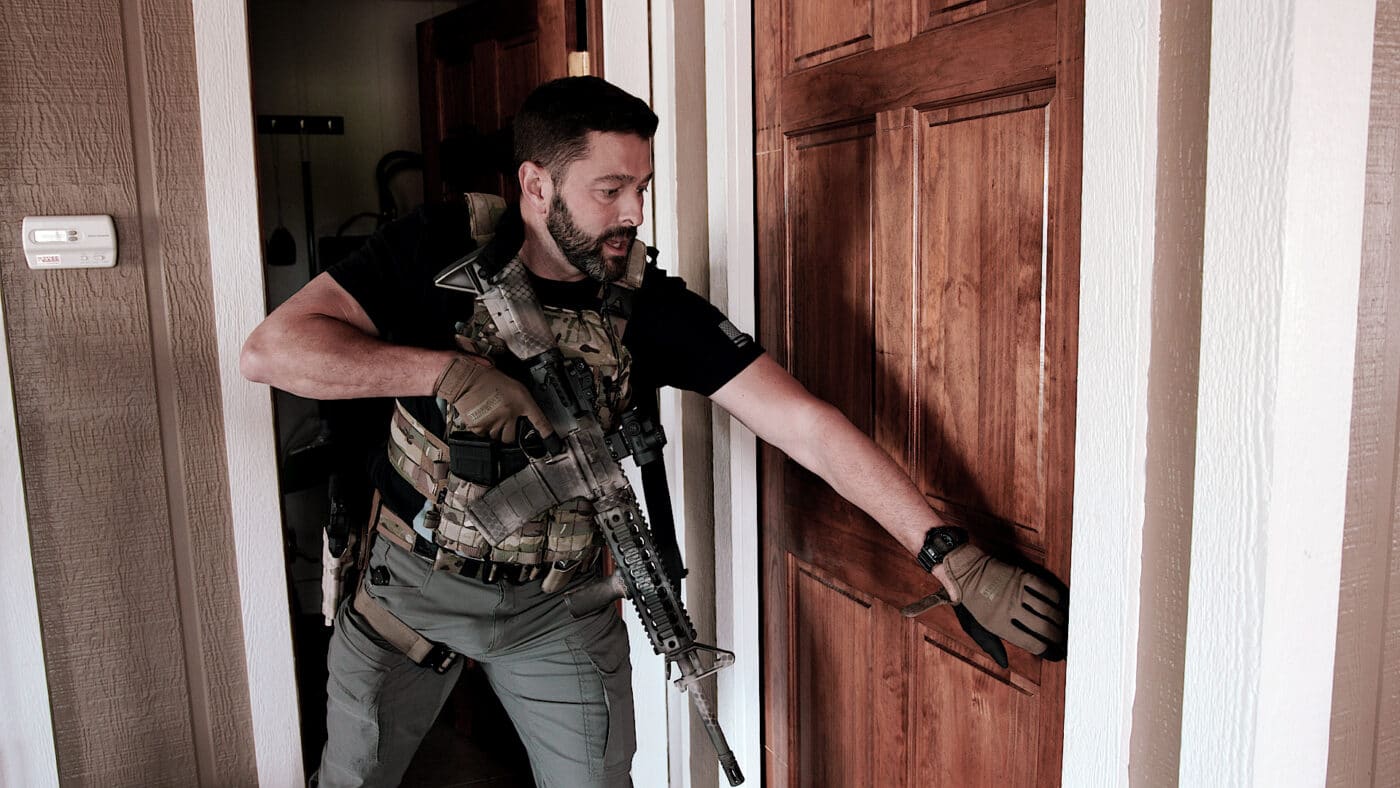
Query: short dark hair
pixel 552 126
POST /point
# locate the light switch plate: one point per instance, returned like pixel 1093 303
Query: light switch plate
pixel 70 241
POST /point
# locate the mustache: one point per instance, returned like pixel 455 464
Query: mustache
pixel 628 234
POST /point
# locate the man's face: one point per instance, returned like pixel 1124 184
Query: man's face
pixel 597 204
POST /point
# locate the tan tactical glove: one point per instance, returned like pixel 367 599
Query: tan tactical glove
pixel 995 599
pixel 486 401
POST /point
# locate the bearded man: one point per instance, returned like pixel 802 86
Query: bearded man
pixel 388 322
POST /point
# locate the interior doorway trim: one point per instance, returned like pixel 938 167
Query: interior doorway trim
pixel 224 78
pixel 729 142
pixel 231 193
pixel 27 753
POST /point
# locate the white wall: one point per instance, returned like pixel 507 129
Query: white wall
pixel 1290 97
pixel 1280 245
pixel 1116 258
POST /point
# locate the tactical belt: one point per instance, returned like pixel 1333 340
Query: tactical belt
pixel 401 535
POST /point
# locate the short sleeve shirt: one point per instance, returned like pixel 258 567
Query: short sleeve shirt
pixel 676 338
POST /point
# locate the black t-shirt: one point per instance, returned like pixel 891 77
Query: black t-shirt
pixel 675 337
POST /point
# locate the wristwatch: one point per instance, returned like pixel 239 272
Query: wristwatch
pixel 938 543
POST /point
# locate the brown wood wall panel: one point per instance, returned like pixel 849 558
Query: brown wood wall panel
pixel 1365 734
pixel 830 228
pixel 117 398
pixel 982 190
pixel 835 665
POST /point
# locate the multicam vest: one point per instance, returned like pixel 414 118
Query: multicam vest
pixel 567 531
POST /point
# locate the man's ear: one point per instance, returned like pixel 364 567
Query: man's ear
pixel 536 187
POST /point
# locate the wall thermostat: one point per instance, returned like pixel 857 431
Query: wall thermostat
pixel 70 241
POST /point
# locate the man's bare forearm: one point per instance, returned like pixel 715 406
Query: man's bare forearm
pixel 321 357
pixel 862 473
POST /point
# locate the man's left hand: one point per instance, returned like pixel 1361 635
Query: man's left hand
pixel 994 599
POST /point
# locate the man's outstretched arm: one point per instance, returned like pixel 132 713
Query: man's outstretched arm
pixel 819 437
pixel 1009 602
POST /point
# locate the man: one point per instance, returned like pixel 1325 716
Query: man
pixel 378 326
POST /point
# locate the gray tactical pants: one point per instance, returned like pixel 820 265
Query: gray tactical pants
pixel 566 683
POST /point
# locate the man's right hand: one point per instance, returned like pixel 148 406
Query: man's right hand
pixel 486 401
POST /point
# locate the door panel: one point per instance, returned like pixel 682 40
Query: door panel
pixel 965 709
pixel 824 30
pixel 476 64
pixel 833 673
pixel 917 169
pixel 982 180
pixel 830 231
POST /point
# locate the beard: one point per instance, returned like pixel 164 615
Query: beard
pixel 587 252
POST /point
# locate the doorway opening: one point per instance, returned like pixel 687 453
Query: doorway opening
pixel 366 110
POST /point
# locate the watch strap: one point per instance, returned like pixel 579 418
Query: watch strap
pixel 938 543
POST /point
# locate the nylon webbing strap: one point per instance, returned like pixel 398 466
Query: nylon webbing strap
pixel 419 456
pixel 397 633
pixel 393 527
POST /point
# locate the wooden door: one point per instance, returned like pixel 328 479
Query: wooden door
pixel 476 65
pixel 918 204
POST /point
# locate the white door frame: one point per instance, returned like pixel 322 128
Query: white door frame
pixel 27 755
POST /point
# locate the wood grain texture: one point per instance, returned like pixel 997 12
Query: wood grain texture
pixel 140 616
pixel 967 710
pixel 476 64
pixel 829 234
pixel 89 428
pixel 959 150
pixel 941 13
pixel 1365 731
pixel 895 304
pixel 833 653
pixel 993 53
pixel 820 31
pixel 982 170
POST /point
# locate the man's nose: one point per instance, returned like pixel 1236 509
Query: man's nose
pixel 630 210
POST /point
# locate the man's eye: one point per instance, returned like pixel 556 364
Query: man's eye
pixel 608 192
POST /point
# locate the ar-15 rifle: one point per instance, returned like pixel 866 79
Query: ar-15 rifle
pixel 564 390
